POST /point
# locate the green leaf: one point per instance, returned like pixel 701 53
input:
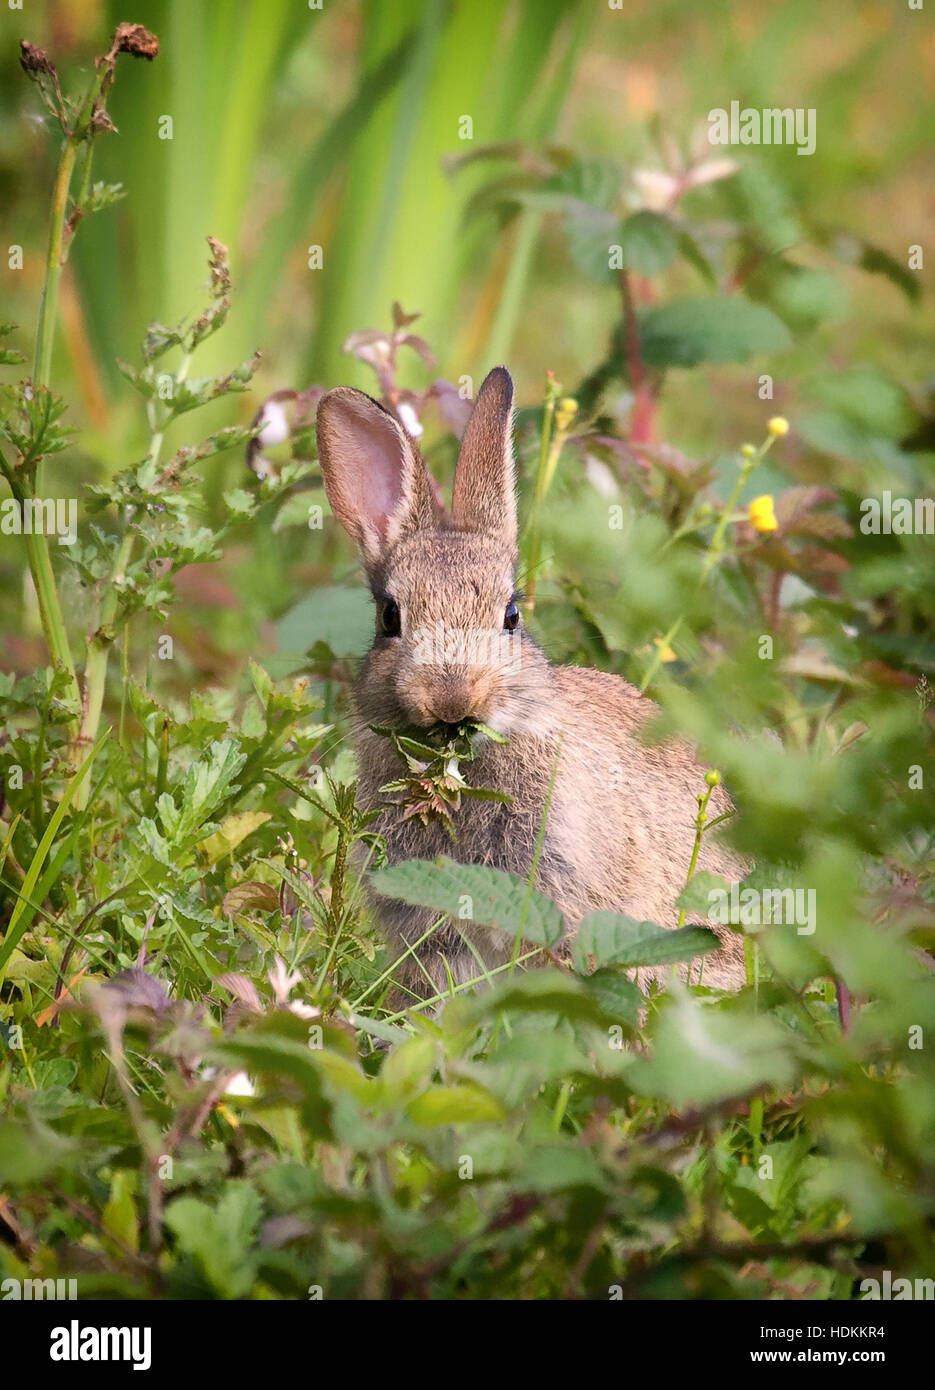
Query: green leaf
pixel 455 1105
pixel 219 1236
pixel 695 896
pixel 207 784
pixel 16 928
pixel 617 996
pixel 407 1070
pixel 715 328
pixel 546 991
pixel 474 892
pixel 614 939
pixel 556 1166
pixel 233 831
pixel 700 1056
pixel 29 1153
pixel 119 1215
pixel 648 243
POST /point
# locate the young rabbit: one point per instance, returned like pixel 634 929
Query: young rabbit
pixel 619 832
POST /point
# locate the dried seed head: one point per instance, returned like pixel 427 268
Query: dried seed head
pixel 133 38
pixel 35 61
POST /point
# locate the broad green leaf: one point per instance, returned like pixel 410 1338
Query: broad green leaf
pixel 233 830
pixel 407 1070
pixel 648 243
pixel 473 893
pixel 700 1056
pixel 28 1153
pixel 618 997
pixel 119 1215
pixel 711 328
pixel 551 1168
pixel 454 1105
pixel 614 939
pixel 694 897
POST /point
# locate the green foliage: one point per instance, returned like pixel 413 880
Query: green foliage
pixel 207 1088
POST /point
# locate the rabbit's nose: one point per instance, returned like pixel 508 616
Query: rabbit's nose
pixel 452 706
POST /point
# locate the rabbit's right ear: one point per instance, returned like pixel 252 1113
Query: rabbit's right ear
pixel 375 479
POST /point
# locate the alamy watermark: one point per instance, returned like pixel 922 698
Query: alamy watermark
pixel 887 515
pixel 77 1343
pixel 30 1290
pixel 452 646
pixel 772 126
pixel 40 516
pixel 889 1288
pixel 760 907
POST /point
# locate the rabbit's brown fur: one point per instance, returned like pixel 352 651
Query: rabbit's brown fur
pixel 620 828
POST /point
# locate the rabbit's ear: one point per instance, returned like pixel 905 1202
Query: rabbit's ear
pixel 375 479
pixel 484 492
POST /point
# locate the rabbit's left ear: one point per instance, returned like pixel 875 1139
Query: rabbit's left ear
pixel 485 487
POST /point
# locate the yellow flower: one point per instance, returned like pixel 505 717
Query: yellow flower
pixel 565 412
pixel 665 651
pixel 748 451
pixel 778 426
pixel 762 516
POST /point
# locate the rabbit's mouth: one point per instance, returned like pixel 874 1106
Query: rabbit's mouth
pixel 445 733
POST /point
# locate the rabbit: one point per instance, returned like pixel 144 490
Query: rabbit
pixel 620 826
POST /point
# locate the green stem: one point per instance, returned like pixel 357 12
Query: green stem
pixel 653 666
pixel 700 823
pixel 458 989
pixel 101 639
pixel 532 549
pixel 50 610
pixel 715 551
pixel 717 540
pixel 37 546
pixel 45 331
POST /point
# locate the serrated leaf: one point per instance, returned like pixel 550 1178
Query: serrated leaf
pixel 497 898
pixel 614 939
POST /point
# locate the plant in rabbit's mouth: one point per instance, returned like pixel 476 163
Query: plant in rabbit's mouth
pixel 435 785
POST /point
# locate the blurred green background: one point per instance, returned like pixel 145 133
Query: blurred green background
pixel 295 127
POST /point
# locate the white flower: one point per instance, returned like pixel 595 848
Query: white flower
pixel 283 980
pixel 275 428
pixel 240 1085
pixel 658 190
pixel 303 1010
pixel 409 418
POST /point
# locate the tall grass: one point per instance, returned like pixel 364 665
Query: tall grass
pixel 365 175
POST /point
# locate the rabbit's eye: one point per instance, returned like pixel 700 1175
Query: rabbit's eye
pixel 389 618
pixel 511 617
